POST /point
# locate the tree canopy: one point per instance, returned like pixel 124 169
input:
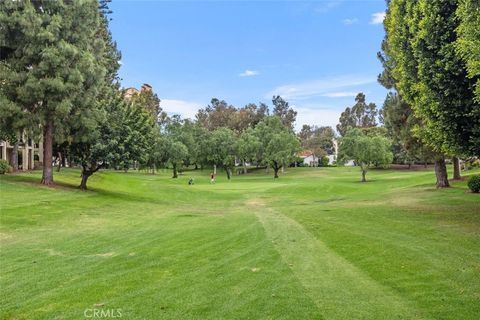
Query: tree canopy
pixel 365 150
pixel 360 115
pixel 56 62
pixel 278 143
pixel 430 75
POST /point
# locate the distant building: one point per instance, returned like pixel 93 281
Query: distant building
pixel 309 159
pixel 30 154
pixel 146 87
pixel 129 92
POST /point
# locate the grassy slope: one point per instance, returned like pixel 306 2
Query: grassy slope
pixel 314 244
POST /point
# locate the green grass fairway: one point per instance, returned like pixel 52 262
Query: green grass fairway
pixel 315 244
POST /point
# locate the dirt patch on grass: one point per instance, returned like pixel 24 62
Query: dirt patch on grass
pixel 255 202
pixel 106 254
pixel 5 236
pixel 53 252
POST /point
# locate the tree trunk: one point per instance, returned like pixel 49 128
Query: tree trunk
pixel 364 173
pixel 456 168
pixel 441 173
pixel 175 173
pixel 228 173
pixel 85 176
pixel 60 158
pixel 215 169
pixel 244 166
pixel 47 176
pixel 275 170
pixel 14 158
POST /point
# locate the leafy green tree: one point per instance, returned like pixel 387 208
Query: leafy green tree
pixel 57 61
pixel 221 149
pixel 429 74
pixel 199 152
pixel 319 140
pixel 174 152
pixel 150 101
pixel 154 153
pixel 98 143
pixel 247 147
pixel 119 136
pixel 219 114
pixel 12 123
pixel 361 115
pixel 137 131
pixel 187 137
pixel 249 116
pixel 282 109
pixel 468 41
pixel 365 150
pixel 400 122
pixel 304 134
pixel 180 133
pixel 278 144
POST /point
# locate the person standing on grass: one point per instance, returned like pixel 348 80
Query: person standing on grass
pixel 212 178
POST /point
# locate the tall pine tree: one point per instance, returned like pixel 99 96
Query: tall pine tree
pixel 54 51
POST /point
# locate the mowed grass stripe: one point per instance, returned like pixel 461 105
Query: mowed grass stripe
pixel 340 290
pixel 161 249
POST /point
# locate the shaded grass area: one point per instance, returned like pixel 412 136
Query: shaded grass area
pixel 315 244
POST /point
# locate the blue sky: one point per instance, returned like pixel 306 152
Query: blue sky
pixel 315 54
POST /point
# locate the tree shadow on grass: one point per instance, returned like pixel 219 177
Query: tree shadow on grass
pixel 35 181
pixel 128 197
pixel 365 182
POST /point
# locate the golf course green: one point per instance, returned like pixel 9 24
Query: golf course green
pixel 314 244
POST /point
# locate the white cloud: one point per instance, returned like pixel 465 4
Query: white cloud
pixel 340 94
pixel 318 88
pixel 320 116
pixel 377 18
pixel 249 73
pixel 349 22
pixel 186 109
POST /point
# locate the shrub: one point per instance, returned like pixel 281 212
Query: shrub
pixel 475 163
pixel 4 166
pixel 474 184
pixel 323 162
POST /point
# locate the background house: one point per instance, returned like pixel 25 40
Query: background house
pixel 29 152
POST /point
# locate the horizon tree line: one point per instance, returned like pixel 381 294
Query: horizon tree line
pixel 59 80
